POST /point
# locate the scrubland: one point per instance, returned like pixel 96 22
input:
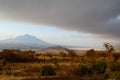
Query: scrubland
pixel 93 65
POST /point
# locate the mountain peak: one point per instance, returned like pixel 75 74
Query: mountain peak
pixel 24 42
pixel 28 35
pixel 25 36
pixel 28 39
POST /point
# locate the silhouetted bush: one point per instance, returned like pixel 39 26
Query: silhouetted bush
pixel 90 53
pixel 1 69
pixel 8 71
pixel 16 56
pixel 99 67
pixel 102 54
pixel 63 54
pixel 7 55
pixel 71 53
pixel 115 67
pixel 106 76
pixel 109 48
pixel 47 70
pixel 32 69
pixel 81 70
pixel 117 75
pixel 116 56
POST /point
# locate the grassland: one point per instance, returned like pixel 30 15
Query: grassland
pixel 93 65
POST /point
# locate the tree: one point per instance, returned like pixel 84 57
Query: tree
pixel 109 48
pixel 63 54
pixel 47 70
pixel 90 53
pixel 71 53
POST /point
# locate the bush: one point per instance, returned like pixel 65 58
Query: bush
pixel 90 53
pixel 81 70
pixel 115 67
pixel 32 69
pixel 117 75
pixel 15 56
pixel 1 69
pixel 47 70
pixel 116 56
pixel 106 75
pixel 99 67
pixel 8 71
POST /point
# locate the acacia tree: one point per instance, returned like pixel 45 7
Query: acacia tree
pixel 71 53
pixel 109 48
pixel 63 54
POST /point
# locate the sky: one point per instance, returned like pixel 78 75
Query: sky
pixel 69 22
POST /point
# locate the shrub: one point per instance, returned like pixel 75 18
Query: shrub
pixel 71 53
pixel 47 70
pixel 1 69
pixel 80 70
pixel 15 56
pixel 32 69
pixel 109 48
pixel 117 75
pixel 63 54
pixel 99 67
pixel 8 56
pixel 90 53
pixel 115 67
pixel 116 56
pixel 106 75
pixel 3 62
pixel 8 71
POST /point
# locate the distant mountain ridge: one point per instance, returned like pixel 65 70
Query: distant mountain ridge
pixel 57 48
pixel 24 38
pixel 27 41
pixel 54 50
pixel 24 42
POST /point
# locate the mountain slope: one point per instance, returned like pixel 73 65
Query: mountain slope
pixel 54 50
pixel 57 48
pixel 24 42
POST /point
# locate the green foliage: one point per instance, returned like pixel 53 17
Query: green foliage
pixel 99 66
pixel 15 56
pixel 63 54
pixel 81 70
pixel 7 55
pixel 1 68
pixel 8 71
pixel 115 67
pixel 47 70
pixel 90 53
pixel 106 76
pixel 117 75
pixel 116 56
pixel 71 53
pixel 3 62
pixel 55 62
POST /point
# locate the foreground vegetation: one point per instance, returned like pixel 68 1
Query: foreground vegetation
pixel 93 65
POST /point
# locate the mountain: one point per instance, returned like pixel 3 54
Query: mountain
pixel 54 50
pixel 57 48
pixel 23 42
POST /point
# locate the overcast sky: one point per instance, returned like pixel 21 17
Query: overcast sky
pixel 73 22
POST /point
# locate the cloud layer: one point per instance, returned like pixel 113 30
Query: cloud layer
pixel 100 17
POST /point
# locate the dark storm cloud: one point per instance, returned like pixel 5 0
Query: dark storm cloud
pixel 93 16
